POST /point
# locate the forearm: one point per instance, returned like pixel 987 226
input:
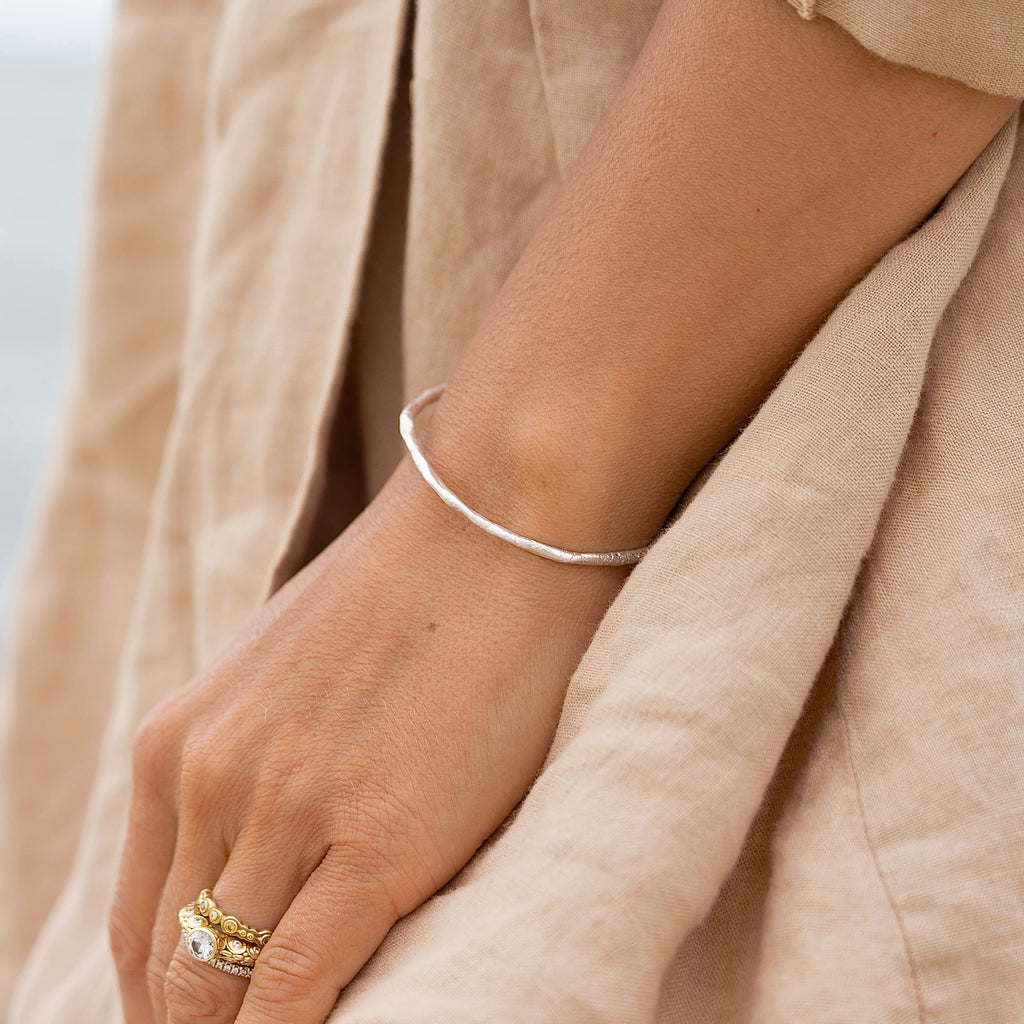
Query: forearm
pixel 752 168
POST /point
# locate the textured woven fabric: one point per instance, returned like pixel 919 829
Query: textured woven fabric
pixel 979 43
pixel 787 782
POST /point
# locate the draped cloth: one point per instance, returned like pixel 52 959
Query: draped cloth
pixel 787 780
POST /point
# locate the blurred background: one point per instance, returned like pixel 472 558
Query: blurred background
pixel 51 54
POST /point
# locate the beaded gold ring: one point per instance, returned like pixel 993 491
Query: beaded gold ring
pixel 233 949
pixel 228 924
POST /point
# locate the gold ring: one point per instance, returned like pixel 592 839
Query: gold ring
pixel 207 941
pixel 227 924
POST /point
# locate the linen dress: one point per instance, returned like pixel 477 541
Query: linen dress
pixel 787 782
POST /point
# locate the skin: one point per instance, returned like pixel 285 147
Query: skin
pixel 380 717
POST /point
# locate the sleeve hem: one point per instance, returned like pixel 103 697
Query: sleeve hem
pixel 978 44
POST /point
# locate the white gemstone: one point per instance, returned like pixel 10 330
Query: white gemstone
pixel 201 943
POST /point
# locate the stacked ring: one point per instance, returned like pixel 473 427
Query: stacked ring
pixel 227 924
pixel 220 940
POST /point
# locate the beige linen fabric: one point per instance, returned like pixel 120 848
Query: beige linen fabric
pixel 978 43
pixel 787 781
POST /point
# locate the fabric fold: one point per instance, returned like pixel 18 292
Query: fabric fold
pixel 978 43
pixel 82 570
pixel 791 756
pixel 274 273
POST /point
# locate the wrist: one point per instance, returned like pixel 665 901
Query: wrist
pixel 408 540
pixel 546 467
pixel 555 553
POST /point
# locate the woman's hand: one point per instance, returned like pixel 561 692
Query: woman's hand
pixel 345 757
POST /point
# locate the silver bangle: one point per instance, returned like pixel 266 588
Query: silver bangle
pixel 407 426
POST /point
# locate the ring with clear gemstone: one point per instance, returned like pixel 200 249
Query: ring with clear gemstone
pixel 202 944
pixel 209 941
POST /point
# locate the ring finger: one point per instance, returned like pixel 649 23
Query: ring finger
pixel 192 869
pixel 254 887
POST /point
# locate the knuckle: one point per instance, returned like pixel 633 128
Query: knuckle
pixel 129 948
pixel 396 858
pixel 151 745
pixel 394 888
pixel 207 778
pixel 368 823
pixel 193 998
pixel 366 887
pixel 286 971
pixel 196 788
pixel 156 974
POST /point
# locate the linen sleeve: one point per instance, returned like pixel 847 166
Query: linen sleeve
pixel 978 43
